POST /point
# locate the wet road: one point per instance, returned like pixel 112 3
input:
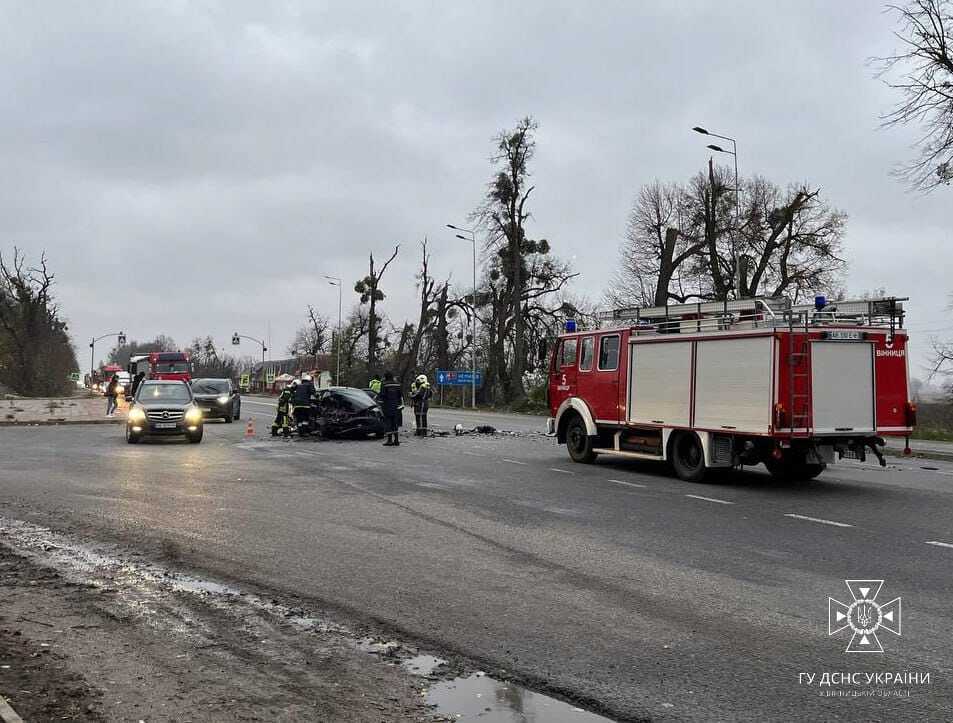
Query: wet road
pixel 611 583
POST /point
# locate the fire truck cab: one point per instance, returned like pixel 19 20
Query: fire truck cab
pixel 733 383
pixel 167 365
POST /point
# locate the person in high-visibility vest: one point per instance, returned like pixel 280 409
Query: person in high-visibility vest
pixel 375 384
pixel 282 421
pixel 420 393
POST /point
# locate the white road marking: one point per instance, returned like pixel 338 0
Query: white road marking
pixel 260 404
pixel 512 461
pixel 472 454
pixel 939 544
pixel 710 499
pixel 627 484
pixel 561 471
pixel 818 520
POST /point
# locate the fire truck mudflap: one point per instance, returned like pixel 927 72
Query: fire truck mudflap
pixel 728 384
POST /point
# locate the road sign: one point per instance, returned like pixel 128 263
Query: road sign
pixel 270 378
pixel 236 340
pixel 245 381
pixel 458 378
pixel 74 376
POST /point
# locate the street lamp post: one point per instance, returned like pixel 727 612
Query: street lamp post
pixel 737 234
pixel 335 281
pixel 92 349
pixel 473 338
pixel 237 339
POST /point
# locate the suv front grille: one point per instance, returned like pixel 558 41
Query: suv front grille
pixel 171 415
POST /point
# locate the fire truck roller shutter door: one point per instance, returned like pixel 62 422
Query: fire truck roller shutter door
pixel 733 380
pixel 660 383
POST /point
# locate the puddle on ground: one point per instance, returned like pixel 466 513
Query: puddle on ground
pixel 481 698
pixel 423 665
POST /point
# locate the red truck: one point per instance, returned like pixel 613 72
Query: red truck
pixel 162 365
pixel 725 384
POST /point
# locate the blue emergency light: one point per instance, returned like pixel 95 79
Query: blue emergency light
pixel 570 326
pixel 820 302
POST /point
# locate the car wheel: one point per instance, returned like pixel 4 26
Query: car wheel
pixel 688 457
pixel 578 441
pixel 132 438
pixel 195 437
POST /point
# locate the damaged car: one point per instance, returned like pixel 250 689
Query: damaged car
pixel 347 412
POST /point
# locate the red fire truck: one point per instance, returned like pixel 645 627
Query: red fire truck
pixel 726 384
pixel 162 365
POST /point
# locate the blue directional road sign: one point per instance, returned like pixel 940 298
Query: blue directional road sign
pixel 458 378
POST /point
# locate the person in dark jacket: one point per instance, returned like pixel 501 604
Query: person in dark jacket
pixel 112 391
pixel 391 401
pixel 136 381
pixel 303 399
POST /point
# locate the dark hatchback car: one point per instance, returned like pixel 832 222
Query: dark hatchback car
pixel 164 408
pixel 348 412
pixel 217 398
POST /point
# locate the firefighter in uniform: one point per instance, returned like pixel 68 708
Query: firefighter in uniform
pixel 303 400
pixel 420 393
pixel 391 401
pixel 282 421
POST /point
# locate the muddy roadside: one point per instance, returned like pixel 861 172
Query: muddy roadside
pixel 109 639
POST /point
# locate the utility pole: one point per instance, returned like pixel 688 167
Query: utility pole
pixel 473 337
pixel 736 239
pixel 92 348
pixel 335 281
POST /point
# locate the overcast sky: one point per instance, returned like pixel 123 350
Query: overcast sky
pixel 195 168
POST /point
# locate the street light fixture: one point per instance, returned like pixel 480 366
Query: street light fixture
pixel 737 234
pixel 473 338
pixel 120 338
pixel 237 339
pixel 335 281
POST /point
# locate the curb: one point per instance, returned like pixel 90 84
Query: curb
pixel 58 422
pixel 920 454
pixel 7 714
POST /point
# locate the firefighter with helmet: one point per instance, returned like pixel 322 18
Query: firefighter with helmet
pixel 282 421
pixel 303 399
pixel 420 393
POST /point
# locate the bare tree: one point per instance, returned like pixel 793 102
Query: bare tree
pixel 312 338
pixel 369 289
pixel 37 355
pixel 925 64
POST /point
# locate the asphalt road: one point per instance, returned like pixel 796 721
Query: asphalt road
pixel 611 583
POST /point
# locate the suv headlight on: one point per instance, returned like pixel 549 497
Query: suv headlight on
pixel 136 415
pixel 194 415
pixel 223 399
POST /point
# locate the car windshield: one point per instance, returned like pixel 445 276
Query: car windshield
pixel 210 386
pixel 354 398
pixel 171 367
pixel 149 393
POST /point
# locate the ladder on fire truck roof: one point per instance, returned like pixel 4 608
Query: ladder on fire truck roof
pixel 760 311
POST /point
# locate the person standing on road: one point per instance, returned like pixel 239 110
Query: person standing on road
pixel 391 401
pixel 420 393
pixel 112 391
pixel 136 381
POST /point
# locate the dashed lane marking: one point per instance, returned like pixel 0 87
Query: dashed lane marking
pixel 937 543
pixel 710 499
pixel 512 461
pixel 561 471
pixel 627 484
pixel 818 520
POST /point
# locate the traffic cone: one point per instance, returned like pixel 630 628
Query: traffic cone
pixel 250 428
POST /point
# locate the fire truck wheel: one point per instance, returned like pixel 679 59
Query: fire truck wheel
pixel 688 458
pixel 793 470
pixel 578 442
